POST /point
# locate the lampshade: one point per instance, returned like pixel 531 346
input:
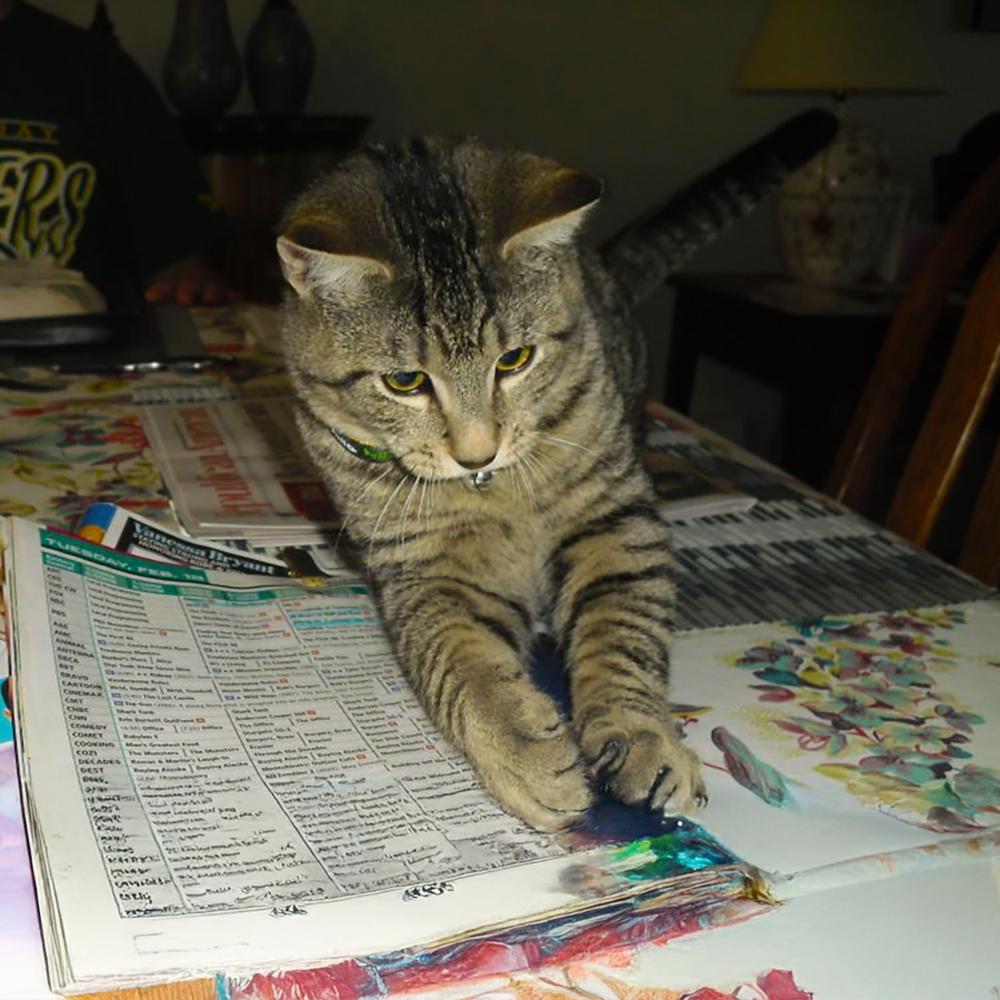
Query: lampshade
pixel 840 46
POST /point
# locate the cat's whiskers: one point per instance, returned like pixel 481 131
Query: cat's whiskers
pixel 515 482
pixel 534 469
pixel 528 488
pixel 420 503
pixel 533 464
pixel 347 519
pixel 404 515
pixel 373 483
pixel 382 513
pixel 566 443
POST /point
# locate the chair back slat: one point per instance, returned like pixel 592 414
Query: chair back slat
pixel 895 369
pixel 980 554
pixel 958 404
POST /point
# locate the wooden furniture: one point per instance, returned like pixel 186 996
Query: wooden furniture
pixel 960 399
pixel 255 165
pixel 814 346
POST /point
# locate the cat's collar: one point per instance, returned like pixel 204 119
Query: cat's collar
pixel 367 452
pixel 480 480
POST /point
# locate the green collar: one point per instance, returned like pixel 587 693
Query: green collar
pixel 368 452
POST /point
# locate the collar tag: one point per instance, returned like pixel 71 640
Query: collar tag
pixel 367 452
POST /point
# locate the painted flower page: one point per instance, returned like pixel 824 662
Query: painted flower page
pixel 834 737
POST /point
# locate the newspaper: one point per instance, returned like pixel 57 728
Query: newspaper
pixel 119 528
pixel 237 469
pixel 125 531
pixel 203 752
pixel 685 492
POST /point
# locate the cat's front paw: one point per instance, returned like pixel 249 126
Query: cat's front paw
pixel 643 762
pixel 527 758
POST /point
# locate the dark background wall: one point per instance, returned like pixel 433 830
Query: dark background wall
pixel 637 91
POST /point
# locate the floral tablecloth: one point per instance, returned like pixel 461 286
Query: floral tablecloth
pixel 815 728
pixel 70 440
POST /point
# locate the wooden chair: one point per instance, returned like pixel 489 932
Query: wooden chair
pixel 959 400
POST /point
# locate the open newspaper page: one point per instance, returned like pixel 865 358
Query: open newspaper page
pixel 230 772
pixel 236 469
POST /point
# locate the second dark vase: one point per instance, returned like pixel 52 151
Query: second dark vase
pixel 279 59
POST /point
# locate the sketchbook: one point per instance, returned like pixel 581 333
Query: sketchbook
pixel 224 772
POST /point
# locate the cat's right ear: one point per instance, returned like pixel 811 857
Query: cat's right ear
pixel 315 259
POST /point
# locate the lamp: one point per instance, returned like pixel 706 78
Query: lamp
pixel 834 213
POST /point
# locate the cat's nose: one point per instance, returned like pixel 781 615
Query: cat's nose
pixel 473 441
pixel 475 463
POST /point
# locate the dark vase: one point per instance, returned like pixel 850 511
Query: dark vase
pixel 201 74
pixel 279 57
pixel 102 25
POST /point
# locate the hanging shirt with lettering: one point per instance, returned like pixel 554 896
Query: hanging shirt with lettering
pixel 93 170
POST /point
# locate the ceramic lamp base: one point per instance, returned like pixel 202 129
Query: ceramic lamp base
pixel 834 213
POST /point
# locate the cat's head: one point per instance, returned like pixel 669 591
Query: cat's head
pixel 438 300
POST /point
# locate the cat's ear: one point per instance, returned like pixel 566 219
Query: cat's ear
pixel 547 204
pixel 318 257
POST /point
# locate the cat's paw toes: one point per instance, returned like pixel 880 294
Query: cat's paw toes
pixel 544 782
pixel 645 766
pixel 529 761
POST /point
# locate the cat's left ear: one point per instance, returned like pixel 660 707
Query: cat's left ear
pixel 547 204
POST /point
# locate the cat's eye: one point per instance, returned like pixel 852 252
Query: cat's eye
pixel 405 382
pixel 514 360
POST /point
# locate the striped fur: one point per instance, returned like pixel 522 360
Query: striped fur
pixel 640 258
pixel 440 257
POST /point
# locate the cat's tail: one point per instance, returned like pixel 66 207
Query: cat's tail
pixel 641 256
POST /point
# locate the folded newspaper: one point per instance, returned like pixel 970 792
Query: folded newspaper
pixel 122 529
pixel 225 772
pixel 237 468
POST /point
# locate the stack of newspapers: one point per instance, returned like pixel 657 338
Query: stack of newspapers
pixel 237 469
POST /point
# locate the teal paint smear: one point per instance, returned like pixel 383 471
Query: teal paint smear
pixel 688 849
pixel 748 770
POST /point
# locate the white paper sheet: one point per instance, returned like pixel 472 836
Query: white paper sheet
pixel 928 936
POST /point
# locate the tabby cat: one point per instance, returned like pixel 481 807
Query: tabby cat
pixel 468 378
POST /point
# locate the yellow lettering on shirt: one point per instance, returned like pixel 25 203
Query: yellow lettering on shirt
pixel 23 130
pixel 43 203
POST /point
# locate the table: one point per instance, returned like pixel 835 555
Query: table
pixel 794 643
